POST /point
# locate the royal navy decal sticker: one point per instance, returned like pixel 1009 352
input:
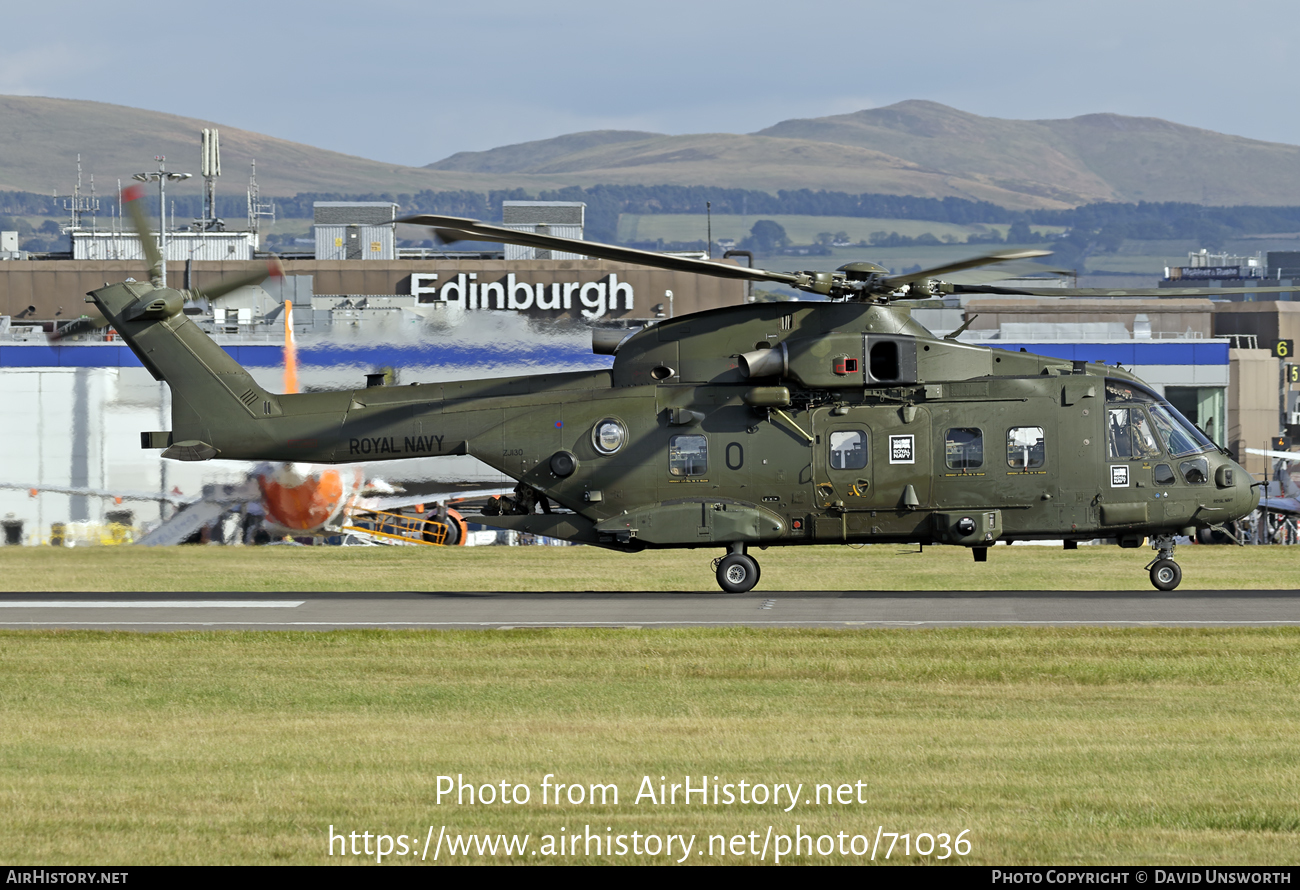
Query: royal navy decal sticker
pixel 1119 476
pixel 902 449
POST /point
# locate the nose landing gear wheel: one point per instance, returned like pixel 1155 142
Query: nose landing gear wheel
pixel 1165 574
pixel 737 573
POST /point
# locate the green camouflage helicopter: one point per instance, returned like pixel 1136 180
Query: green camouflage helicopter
pixel 832 421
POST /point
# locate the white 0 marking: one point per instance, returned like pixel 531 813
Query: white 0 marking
pixel 148 604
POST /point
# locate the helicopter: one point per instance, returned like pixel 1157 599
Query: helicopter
pixel 836 420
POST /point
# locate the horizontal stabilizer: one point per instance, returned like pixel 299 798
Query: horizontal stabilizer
pixel 100 493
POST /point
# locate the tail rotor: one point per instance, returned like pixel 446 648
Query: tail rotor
pixel 153 256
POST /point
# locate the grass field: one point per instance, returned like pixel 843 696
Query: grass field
pixel 1045 746
pixel 801 229
pixel 877 567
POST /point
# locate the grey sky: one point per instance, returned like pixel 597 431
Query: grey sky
pixel 411 82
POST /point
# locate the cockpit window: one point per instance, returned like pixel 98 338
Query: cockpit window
pixel 1196 471
pixel 1179 438
pixel 1178 435
pixel 1129 433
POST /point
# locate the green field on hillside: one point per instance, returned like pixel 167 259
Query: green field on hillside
pixel 801 229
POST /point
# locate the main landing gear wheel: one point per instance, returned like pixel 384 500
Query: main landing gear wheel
pixel 737 573
pixel 1165 574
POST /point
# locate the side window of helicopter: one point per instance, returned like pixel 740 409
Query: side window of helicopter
pixel 963 448
pixel 1176 433
pixel 688 456
pixel 1129 433
pixel 1117 432
pixel 1025 447
pixel 1163 474
pixel 848 450
pixel 1176 437
pixel 1144 440
pixel 609 435
pixel 1196 472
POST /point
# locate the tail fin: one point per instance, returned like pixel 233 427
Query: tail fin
pixel 200 373
pixel 1282 473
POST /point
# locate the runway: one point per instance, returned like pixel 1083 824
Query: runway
pixel 504 611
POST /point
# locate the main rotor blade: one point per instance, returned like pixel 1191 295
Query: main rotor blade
pixel 235 282
pixel 131 196
pixel 896 281
pixel 1280 455
pixel 1118 292
pixel 453 228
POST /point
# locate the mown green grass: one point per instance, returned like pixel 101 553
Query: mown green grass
pixel 1050 746
pixel 877 567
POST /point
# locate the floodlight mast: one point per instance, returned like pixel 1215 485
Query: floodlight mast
pixel 161 176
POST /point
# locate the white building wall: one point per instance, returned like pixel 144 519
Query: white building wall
pixel 516 252
pixel 181 246
pixel 372 242
pixel 38 445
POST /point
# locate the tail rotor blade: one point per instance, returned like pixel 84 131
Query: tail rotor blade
pixel 131 200
pixel 88 324
pixel 226 285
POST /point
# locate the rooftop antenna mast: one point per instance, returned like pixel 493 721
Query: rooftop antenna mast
pixel 210 167
pixel 161 176
pixel 256 209
pixel 78 205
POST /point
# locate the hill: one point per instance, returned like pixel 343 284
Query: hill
pixel 525 155
pixel 911 148
pixel 1095 157
pixel 40 139
pixel 930 150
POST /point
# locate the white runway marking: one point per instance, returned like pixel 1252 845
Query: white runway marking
pixel 554 625
pixel 150 604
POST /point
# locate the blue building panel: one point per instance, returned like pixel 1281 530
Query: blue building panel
pixel 1063 351
pixel 35 356
pixel 1107 353
pixel 1210 353
pixel 116 355
pixel 258 356
pixel 1129 352
pixel 1156 353
pixel 1103 352
pixel 265 355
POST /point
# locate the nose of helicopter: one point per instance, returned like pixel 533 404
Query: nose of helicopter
pixel 1234 491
